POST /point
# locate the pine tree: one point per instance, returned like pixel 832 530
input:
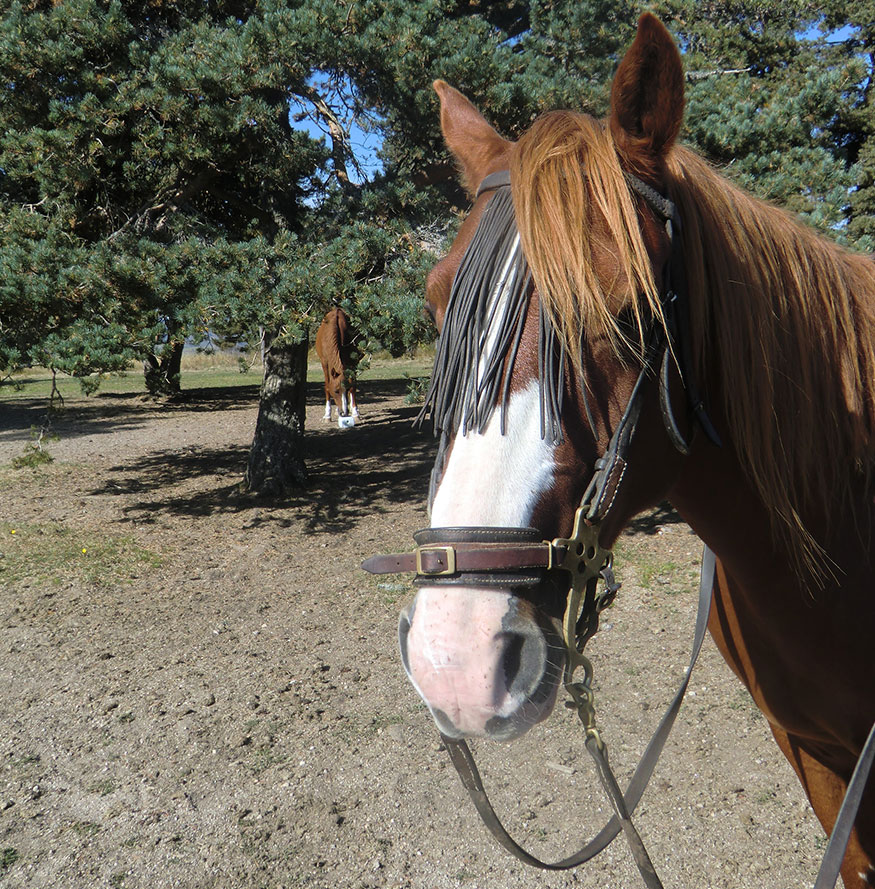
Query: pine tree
pixel 136 136
pixel 156 181
pixel 767 91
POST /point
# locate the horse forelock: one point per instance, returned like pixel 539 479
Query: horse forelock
pixel 778 311
pixel 567 182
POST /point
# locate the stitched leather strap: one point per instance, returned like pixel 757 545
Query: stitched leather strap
pixel 462 558
pixel 451 552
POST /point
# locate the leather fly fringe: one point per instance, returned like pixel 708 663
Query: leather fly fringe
pixel 483 326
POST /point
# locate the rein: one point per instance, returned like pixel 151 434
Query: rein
pixel 519 557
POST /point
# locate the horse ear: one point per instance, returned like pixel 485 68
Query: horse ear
pixel 476 146
pixel 647 96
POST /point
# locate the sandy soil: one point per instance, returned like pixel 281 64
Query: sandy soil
pixel 209 695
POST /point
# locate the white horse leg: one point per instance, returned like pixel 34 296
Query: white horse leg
pixel 355 410
pixel 344 405
pixel 327 415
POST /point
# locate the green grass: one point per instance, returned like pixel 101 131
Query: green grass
pixel 42 479
pixel 385 368
pixel 394 590
pixel 742 701
pixel 51 553
pixel 8 857
pixel 263 758
pixel 37 384
pixel 28 759
pixel 32 458
pixel 665 575
pixel 658 572
pixel 103 788
pixel 200 371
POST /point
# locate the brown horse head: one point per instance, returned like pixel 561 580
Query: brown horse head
pixel 487 659
pixel 549 303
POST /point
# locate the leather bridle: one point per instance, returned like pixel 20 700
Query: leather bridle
pixel 474 555
pixel 520 558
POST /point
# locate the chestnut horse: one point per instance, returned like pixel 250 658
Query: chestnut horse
pixel 334 346
pixel 778 334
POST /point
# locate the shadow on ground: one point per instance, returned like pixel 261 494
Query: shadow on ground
pixel 103 414
pixel 650 522
pixel 352 473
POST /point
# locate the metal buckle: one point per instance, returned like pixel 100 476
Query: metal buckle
pixel 449 555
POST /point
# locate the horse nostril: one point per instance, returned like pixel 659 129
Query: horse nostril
pixel 522 662
pixel 511 660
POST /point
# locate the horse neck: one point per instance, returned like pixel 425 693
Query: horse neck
pixel 784 333
pixel 341 327
pixel 714 495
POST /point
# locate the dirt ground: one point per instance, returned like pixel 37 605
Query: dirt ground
pixel 198 689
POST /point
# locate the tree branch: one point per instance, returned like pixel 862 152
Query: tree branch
pixel 341 143
pixel 145 218
pixel 693 76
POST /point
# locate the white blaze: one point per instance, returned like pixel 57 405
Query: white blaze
pixel 493 479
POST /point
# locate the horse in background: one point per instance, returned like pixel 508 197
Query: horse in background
pixel 335 348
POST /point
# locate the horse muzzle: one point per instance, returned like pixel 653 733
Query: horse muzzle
pixel 485 658
pixel 485 661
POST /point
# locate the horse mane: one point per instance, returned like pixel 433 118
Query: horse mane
pixel 566 179
pixel 782 317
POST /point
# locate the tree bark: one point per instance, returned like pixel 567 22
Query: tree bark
pixel 163 377
pixel 276 460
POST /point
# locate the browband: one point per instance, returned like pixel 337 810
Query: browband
pixel 493 181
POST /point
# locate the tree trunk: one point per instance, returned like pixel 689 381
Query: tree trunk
pixel 276 459
pixel 162 377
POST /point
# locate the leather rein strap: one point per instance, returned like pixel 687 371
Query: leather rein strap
pixel 623 803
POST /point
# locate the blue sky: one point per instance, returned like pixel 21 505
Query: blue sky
pixel 365 144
